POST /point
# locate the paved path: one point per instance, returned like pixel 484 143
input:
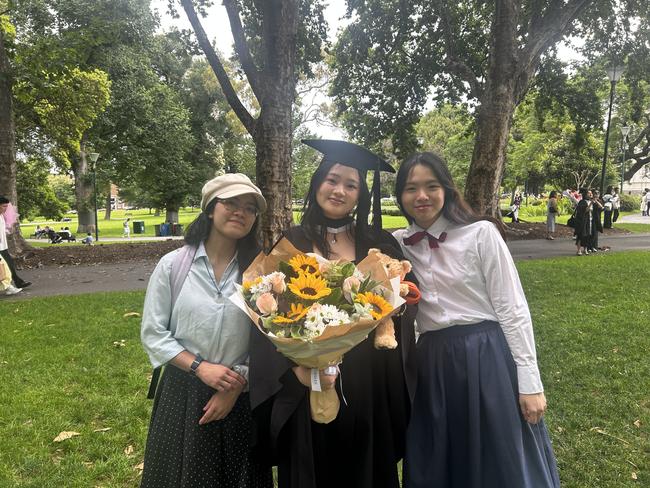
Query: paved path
pixel 72 280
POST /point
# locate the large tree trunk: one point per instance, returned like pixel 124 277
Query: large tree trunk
pixel 489 157
pixel 274 132
pixel 494 117
pixel 273 152
pixel 171 214
pixel 274 87
pixel 84 194
pixel 16 242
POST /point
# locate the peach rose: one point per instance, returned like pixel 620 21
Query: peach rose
pixel 351 284
pixel 266 304
pixel 277 282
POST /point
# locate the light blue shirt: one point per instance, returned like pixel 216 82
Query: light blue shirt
pixel 202 322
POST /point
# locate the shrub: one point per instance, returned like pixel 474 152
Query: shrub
pixel 630 203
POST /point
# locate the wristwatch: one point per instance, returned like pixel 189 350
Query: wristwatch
pixel 195 364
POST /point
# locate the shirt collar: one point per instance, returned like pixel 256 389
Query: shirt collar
pixel 437 228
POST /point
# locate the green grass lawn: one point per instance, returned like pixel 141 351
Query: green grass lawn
pixel 62 371
pixel 113 227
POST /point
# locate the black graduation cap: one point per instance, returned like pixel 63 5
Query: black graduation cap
pixel 355 156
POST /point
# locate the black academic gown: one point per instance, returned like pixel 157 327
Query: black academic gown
pixel 362 446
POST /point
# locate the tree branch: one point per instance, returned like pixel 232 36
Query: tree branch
pixel 548 30
pixel 241 46
pixel 243 115
pixel 455 64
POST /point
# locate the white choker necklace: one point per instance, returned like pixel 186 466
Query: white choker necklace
pixel 337 230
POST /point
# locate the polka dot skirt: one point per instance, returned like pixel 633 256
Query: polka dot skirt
pixel 180 453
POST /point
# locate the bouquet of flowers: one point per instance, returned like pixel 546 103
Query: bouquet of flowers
pixel 315 310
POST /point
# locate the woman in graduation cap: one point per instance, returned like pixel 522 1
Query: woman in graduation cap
pixel 362 446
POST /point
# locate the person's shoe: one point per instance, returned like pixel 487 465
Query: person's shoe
pixel 579 253
pixel 24 284
pixel 12 290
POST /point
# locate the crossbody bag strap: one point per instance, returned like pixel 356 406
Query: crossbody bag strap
pixel 180 269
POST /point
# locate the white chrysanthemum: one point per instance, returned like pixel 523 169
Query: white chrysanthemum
pixel 332 316
pixel 264 286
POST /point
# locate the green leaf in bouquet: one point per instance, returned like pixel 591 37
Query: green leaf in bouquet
pixel 346 307
pixel 333 298
pixel 347 270
pixel 296 331
pixel 279 330
pixel 287 270
pixel 368 285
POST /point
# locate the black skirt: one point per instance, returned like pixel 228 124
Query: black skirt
pixel 467 430
pixel 182 453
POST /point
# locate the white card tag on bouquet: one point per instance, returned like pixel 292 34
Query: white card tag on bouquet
pixel 315 380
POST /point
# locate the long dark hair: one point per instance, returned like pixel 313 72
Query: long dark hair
pixel 198 231
pixel 314 221
pixel 455 208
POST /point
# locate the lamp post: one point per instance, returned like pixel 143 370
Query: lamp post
pixel 93 157
pixel 614 74
pixel 625 130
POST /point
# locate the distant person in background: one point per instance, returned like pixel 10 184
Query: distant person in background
pixel 552 210
pixel 516 203
pixel 54 237
pixel 647 202
pixel 616 205
pixel 596 224
pixel 583 222
pixel 88 240
pixel 608 207
pixel 6 287
pixel 127 230
pixel 5 228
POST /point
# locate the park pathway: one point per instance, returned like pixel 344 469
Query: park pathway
pixel 74 280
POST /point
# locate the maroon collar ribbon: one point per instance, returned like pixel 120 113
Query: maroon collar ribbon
pixel 418 236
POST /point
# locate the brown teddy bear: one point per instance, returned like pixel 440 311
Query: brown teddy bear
pixel 385 331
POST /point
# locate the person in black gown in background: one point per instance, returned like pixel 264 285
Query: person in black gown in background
pixel 362 446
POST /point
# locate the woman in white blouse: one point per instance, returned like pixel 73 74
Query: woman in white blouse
pixel 201 422
pixel 477 415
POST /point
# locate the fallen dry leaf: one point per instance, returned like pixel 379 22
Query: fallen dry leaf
pixel 634 476
pixel 139 467
pixel 637 423
pixel 65 435
pixel 129 450
pixel 130 314
pixel 105 429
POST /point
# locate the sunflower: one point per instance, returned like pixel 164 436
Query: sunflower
pixel 309 287
pixel 294 315
pixel 380 307
pixel 304 264
pixel 246 285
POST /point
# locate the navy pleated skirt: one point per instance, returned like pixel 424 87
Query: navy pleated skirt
pixel 466 427
pixel 180 453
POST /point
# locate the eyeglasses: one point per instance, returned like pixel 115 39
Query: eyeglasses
pixel 234 206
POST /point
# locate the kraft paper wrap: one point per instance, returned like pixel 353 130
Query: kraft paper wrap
pixel 329 348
